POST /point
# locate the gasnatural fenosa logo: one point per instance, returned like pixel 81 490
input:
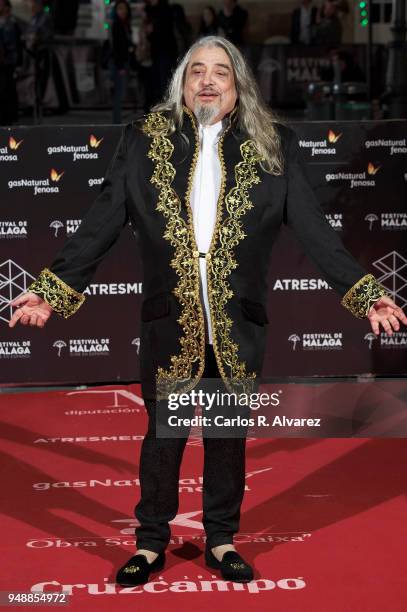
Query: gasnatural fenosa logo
pixel 356 179
pixel 39 186
pixel 393 146
pixel 79 152
pixel 13 143
pixel 56 176
pixel 9 152
pixel 322 147
pixel 94 142
pixel 332 137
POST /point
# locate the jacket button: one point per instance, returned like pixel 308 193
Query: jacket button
pixel 207 256
pixel 195 254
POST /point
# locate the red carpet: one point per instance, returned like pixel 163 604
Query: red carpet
pixel 323 520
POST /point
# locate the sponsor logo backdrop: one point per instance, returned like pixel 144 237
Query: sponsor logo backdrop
pixel 49 176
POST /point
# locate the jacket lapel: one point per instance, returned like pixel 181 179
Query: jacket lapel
pixel 174 168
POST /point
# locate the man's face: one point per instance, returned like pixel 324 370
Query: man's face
pixel 209 87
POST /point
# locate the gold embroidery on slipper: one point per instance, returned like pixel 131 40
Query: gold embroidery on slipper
pixel 131 569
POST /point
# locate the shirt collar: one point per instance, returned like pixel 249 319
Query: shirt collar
pixel 211 131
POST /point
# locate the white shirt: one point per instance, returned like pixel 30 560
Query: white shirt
pixel 204 198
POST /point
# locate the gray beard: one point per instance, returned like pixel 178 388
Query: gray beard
pixel 206 113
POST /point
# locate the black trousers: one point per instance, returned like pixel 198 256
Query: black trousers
pixel 223 482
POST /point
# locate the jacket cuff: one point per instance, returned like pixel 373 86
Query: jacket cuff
pixel 360 297
pixel 61 297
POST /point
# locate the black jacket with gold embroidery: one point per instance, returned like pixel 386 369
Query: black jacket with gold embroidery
pixel 149 182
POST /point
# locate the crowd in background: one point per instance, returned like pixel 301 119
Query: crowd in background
pixel 318 25
pixel 21 43
pixel 164 35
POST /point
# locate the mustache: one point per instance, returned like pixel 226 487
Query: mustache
pixel 208 91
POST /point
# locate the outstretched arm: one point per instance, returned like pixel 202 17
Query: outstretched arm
pixel 361 293
pixel 59 287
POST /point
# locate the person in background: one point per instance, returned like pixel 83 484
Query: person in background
pixel 182 30
pixel 40 29
pixel 343 7
pixel 10 41
pixel 209 22
pixel 65 16
pixel 349 69
pixel 37 38
pixel 144 60
pixel 122 46
pixel 328 29
pixel 303 23
pixel 163 45
pixel 233 22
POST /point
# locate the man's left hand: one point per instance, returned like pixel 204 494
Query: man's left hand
pixel 386 312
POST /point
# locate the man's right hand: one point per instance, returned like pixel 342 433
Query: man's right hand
pixel 31 310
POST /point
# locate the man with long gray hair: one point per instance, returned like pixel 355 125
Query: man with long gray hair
pixel 207 178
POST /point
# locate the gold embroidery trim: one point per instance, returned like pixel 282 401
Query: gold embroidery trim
pixel 131 569
pixel 222 262
pixel 360 297
pixel 181 236
pixel 186 264
pixel 220 265
pixel 61 297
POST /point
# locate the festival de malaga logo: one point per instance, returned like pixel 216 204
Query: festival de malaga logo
pixel 70 226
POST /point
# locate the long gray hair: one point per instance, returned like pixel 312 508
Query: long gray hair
pixel 253 116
